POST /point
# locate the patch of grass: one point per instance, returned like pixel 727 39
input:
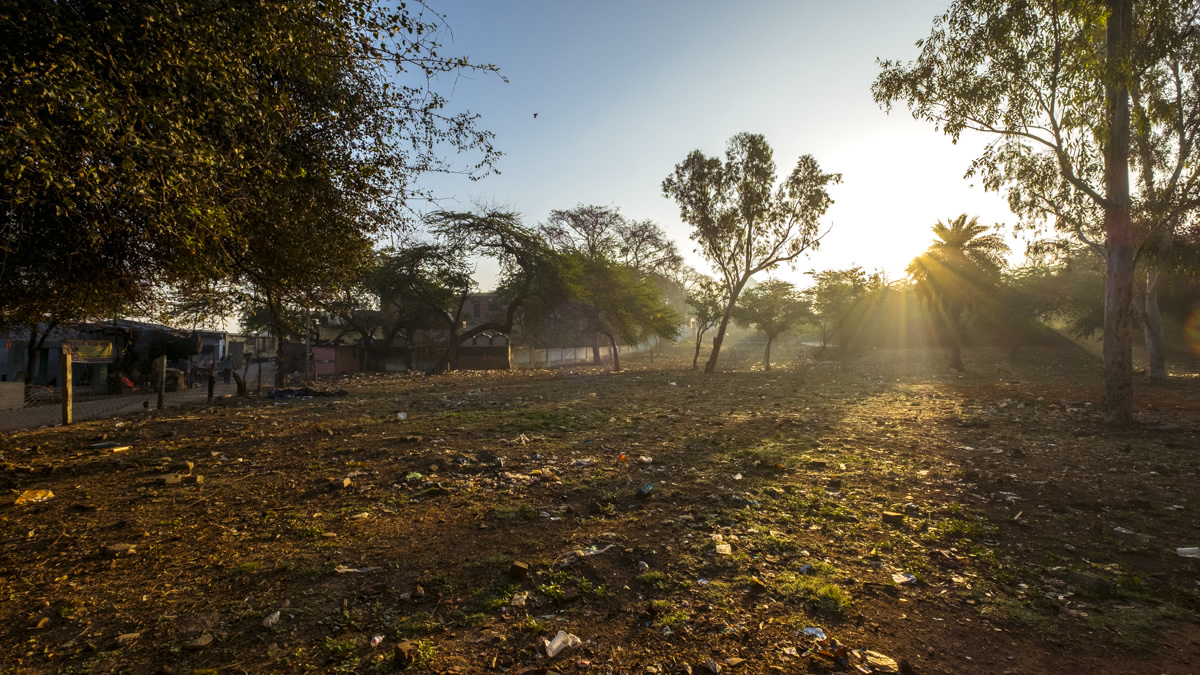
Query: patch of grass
pixel 1026 614
pixel 522 511
pixel 531 625
pixel 1135 628
pixel 335 648
pixel 245 568
pixel 415 625
pixel 825 598
pixel 654 579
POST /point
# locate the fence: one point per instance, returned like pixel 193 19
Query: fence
pixel 553 357
pixel 23 407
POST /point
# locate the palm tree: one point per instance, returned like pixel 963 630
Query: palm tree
pixel 958 271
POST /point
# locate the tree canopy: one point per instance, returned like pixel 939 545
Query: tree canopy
pixel 743 221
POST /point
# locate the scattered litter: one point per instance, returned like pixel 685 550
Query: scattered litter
pixel 646 489
pixel 815 633
pixel 673 384
pixel 561 641
pixel 1123 530
pixel 377 640
pixel 401 416
pixel 904 578
pixel 791 651
pixel 645 460
pixel 880 663
pixel 33 497
pixel 342 569
pixel 1193 552
pixel 568 558
pixel 724 549
pixel 360 516
pixel 703 582
pixel 643 566
pixel 519 599
pixel 737 476
pixel 271 619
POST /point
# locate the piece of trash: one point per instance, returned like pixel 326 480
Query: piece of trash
pixel 360 516
pixel 712 666
pixel 561 641
pixel 737 476
pixel 1193 552
pixel 621 458
pixel 519 599
pixel 806 569
pixel 880 663
pixel 413 476
pixel 271 619
pixel 646 489
pixel 401 416
pixel 673 384
pixel 791 651
pixel 33 497
pixel 815 633
pixel 645 460
pixel 643 566
pixel 904 578
pixel 1123 530
pixel 724 549
pixel 342 569
pixel 377 640
pixel 703 582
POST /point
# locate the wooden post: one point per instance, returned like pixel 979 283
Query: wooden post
pixel 212 380
pixel 160 367
pixel 65 384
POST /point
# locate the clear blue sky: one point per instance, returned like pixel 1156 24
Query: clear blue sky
pixel 625 89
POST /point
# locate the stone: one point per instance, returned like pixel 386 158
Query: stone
pixel 405 653
pixel 170 479
pixel 199 643
pixel 519 570
pixel 194 480
pixel 893 518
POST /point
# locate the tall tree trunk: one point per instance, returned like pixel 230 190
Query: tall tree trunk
pixel 616 355
pixel 767 355
pixel 699 343
pixel 32 351
pixel 1153 328
pixel 711 366
pixel 596 360
pixel 1117 397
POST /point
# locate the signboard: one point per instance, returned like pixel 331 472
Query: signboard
pixel 89 351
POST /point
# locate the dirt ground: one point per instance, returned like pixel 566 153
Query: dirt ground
pixel 891 516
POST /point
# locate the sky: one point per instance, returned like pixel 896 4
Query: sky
pixel 624 90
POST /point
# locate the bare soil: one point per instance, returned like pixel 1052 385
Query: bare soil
pixel 1036 539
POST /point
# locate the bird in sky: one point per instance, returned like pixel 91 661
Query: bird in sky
pixel 535 116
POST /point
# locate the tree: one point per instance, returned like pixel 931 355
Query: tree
pixel 602 239
pixel 1032 74
pixel 533 278
pixel 773 307
pixel 148 147
pixel 957 274
pixel 742 221
pixel 832 297
pixel 707 299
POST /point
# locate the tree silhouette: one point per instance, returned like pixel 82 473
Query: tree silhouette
pixel 956 274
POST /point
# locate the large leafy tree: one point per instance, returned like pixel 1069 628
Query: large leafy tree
pixel 833 297
pixel 1034 75
pixel 253 145
pixel 743 222
pixel 600 240
pixel 773 307
pixel 958 273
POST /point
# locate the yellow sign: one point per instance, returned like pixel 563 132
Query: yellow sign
pixel 89 351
